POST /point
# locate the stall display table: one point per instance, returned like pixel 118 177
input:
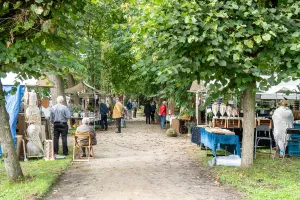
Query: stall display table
pixel 196 135
pixel 215 141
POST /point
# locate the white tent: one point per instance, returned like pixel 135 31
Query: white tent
pixel 83 90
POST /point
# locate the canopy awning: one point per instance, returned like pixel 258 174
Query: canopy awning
pixel 195 87
pixel 287 90
pixel 83 89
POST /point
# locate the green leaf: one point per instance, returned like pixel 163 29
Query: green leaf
pixel 17 4
pixel 248 43
pixel 39 1
pixel 257 39
pixel 211 57
pixel 236 57
pixel 266 37
pixel 37 10
pixel 222 63
pixel 43 42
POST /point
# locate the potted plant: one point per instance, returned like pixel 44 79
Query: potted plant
pixel 76 111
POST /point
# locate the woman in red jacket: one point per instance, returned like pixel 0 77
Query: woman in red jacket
pixel 163 113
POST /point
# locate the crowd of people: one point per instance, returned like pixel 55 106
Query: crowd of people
pixel 60 114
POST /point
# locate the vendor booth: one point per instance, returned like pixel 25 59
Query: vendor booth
pixel 89 95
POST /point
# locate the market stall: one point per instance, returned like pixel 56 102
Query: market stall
pixel 88 94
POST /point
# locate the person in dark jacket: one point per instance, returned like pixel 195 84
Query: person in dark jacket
pixel 103 112
pixel 147 111
pixel 153 109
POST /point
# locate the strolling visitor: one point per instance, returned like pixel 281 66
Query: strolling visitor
pixel 117 114
pixel 282 118
pixel 103 114
pixel 134 108
pixel 59 115
pixel 147 111
pixel 153 109
pixel 129 109
pixel 162 113
pixel 84 141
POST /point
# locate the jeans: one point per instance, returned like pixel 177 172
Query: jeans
pixel 162 121
pixel 118 124
pixel 147 119
pixel 130 114
pixel 60 129
pixel 104 121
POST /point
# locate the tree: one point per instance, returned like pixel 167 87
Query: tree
pixel 26 27
pixel 233 43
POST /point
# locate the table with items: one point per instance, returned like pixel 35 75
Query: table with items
pixel 216 139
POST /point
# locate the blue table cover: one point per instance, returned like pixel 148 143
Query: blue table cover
pixel 216 141
pixel 196 135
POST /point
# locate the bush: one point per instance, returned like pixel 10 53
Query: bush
pixel 171 133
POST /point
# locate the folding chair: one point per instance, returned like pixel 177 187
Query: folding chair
pixel 259 136
pixel 77 148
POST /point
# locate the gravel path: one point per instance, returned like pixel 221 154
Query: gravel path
pixel 141 163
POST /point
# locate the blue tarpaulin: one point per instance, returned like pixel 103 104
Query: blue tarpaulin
pixel 13 103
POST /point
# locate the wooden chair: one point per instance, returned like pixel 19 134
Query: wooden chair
pixel 77 147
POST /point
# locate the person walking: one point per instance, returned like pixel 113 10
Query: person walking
pixel 153 109
pixel 59 115
pixel 117 114
pixel 103 112
pixel 163 113
pixel 134 107
pixel 147 111
pixel 129 109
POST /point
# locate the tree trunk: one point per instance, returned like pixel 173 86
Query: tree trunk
pixel 248 126
pixel 71 83
pixel 11 162
pixel 58 89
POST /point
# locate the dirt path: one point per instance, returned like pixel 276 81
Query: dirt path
pixel 141 163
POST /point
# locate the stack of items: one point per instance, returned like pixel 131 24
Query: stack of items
pixel 36 135
pixel 219 131
pixel 294 143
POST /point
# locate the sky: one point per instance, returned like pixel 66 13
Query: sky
pixel 11 78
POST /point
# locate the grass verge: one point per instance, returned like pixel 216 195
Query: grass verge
pixel 40 175
pixel 266 179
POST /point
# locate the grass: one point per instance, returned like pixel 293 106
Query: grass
pixel 266 179
pixel 40 175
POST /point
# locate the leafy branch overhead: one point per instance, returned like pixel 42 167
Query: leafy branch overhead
pixel 234 42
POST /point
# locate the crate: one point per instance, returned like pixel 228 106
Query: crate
pixel 294 153
pixel 293 146
pixel 295 137
pixel 297 126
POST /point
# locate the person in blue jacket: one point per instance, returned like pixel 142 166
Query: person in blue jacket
pixel 103 112
pixel 129 109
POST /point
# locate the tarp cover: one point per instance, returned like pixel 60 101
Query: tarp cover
pixel 13 103
pixel 83 87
